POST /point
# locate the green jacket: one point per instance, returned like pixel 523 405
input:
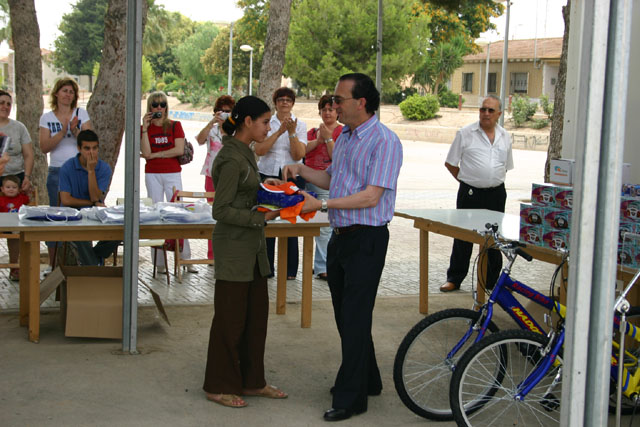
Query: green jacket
pixel 238 238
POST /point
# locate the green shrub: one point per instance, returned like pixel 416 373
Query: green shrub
pixel 540 123
pixel 418 107
pixel 448 98
pixel 160 86
pixel 523 110
pixel 396 98
pixel 546 106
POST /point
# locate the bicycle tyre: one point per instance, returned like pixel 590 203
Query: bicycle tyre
pixel 633 347
pixel 421 373
pixel 488 400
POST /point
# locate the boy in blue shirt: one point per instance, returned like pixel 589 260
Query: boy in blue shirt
pixel 84 180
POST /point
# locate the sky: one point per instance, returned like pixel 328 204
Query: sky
pixel 525 14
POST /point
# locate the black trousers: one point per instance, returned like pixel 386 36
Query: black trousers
pixel 354 265
pixel 476 198
pixel 292 244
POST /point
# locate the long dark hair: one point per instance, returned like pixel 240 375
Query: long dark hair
pixel 248 106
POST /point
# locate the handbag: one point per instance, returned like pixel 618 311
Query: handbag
pixel 187 156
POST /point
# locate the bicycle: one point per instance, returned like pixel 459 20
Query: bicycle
pixel 430 351
pixel 514 377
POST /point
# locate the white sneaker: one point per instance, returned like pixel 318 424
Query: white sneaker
pixel 191 269
pixel 161 269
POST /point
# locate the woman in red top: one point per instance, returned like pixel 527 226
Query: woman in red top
pixel 320 143
pixel 161 143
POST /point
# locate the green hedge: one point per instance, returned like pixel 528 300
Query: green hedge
pixel 418 107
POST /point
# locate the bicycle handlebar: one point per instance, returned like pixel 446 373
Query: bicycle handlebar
pixel 504 246
pixel 523 254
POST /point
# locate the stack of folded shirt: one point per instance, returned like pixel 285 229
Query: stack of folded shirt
pixel 285 198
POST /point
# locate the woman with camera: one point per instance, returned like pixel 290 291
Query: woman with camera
pixel 161 143
pixel 211 134
pixel 58 131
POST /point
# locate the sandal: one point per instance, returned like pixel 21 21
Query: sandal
pixel 14 274
pixel 269 391
pixel 323 276
pixel 291 277
pixel 228 400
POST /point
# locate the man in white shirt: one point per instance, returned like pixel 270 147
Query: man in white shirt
pixel 479 159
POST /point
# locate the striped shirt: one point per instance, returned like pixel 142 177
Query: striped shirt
pixel 370 155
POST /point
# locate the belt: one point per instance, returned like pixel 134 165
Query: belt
pixel 482 190
pixel 349 228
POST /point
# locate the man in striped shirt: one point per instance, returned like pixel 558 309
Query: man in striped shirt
pixel 362 183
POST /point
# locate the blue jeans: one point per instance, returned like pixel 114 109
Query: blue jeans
pixel 320 258
pixel 53 179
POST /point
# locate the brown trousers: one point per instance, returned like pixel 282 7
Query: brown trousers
pixel 235 360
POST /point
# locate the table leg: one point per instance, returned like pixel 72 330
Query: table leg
pixel 307 258
pixel 483 265
pixel 281 277
pixel 424 272
pixel 25 269
pixel 33 277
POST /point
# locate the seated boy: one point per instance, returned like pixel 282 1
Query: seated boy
pixel 84 180
pixel 10 201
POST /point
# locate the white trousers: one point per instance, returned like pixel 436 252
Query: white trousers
pixel 160 189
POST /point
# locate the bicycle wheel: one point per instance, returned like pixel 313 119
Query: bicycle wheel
pixel 421 371
pixel 632 350
pixel 480 397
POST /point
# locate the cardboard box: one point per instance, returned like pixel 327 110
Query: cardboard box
pixel 531 234
pixel 543 194
pixel 556 239
pixel 531 214
pixel 564 198
pixel 555 218
pixel 561 171
pixel 630 209
pixel 94 302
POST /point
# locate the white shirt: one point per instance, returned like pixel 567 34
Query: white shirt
pixel 214 144
pixel 280 153
pixel 482 164
pixel 67 147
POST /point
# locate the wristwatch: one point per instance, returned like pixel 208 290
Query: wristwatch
pixel 327 141
pixel 324 206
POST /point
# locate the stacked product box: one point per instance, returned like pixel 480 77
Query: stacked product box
pixel 547 220
pixel 629 248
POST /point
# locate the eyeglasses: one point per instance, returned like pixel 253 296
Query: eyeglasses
pixel 223 110
pixel 287 100
pixel 485 109
pixel 339 100
pixel 159 104
pixel 326 110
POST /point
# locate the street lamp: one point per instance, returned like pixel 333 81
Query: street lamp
pixel 247 48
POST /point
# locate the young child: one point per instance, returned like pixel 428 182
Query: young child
pixel 10 201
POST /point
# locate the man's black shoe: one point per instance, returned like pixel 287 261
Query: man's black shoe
pixel 340 414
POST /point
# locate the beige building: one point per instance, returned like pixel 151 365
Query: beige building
pixel 532 70
pixel 49 73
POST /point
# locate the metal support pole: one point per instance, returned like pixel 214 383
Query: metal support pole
pixel 505 59
pixel 601 111
pixel 132 178
pixel 250 71
pixel 379 54
pixel 486 72
pixel 230 59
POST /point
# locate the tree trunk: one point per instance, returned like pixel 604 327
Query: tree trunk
pixel 28 82
pixel 557 122
pixel 107 103
pixel 275 47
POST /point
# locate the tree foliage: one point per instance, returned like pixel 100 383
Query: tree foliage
pixel 178 29
pixel 440 63
pixel 82 32
pixel 325 42
pixel 465 18
pixel 189 53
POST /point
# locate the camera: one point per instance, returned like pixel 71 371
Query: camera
pixel 156 115
pixel 224 115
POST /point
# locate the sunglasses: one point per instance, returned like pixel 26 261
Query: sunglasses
pixel 159 104
pixel 339 100
pixel 485 109
pixel 287 100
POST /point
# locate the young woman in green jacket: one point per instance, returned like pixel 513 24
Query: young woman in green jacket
pixel 235 360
